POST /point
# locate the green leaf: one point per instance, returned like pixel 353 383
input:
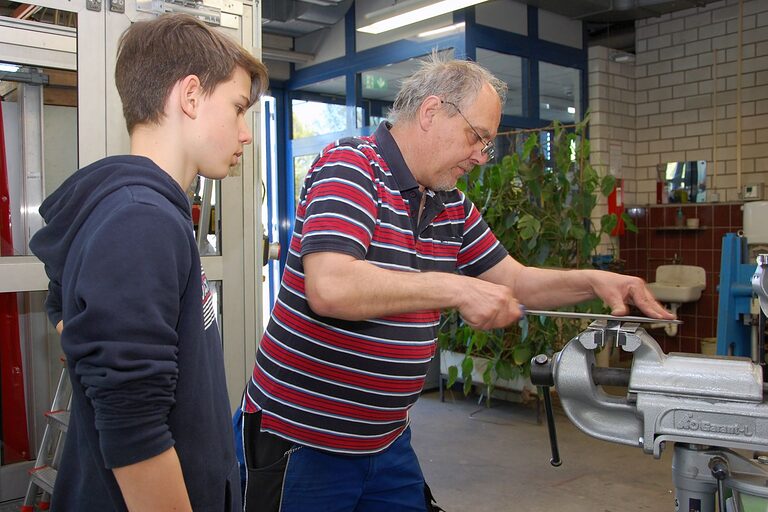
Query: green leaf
pixel 607 184
pixel 530 144
pixel 608 222
pixel 510 219
pixel 629 223
pixel 522 354
pixel 480 339
pixel 453 374
pixel 487 376
pixel 528 226
pixel 506 371
pixel 467 365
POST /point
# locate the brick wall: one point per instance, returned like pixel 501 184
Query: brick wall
pixel 612 121
pixel 686 104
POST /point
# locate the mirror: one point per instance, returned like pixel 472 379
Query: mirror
pixel 685 182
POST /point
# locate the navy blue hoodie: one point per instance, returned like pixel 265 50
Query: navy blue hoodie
pixel 140 337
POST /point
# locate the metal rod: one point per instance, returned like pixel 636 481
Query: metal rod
pixel 761 342
pixel 610 376
pixel 555 460
pixel 598 316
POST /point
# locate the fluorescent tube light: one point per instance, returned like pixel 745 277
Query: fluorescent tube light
pixel 286 55
pixel 619 56
pixel 419 14
pixel 9 68
pixel 443 30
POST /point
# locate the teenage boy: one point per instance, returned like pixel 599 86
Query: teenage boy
pixel 149 426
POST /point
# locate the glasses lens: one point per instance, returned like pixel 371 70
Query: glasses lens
pixel 489 150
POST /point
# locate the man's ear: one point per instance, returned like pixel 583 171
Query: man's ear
pixel 428 110
pixel 190 94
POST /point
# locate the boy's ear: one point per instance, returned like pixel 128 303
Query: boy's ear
pixel 190 94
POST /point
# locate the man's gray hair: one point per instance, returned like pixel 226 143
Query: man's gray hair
pixel 454 81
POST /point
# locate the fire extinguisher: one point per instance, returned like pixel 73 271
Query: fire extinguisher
pixel 616 205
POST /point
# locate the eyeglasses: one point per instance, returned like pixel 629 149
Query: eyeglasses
pixel 489 149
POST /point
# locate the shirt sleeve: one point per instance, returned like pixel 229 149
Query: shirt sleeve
pixel 339 210
pixel 480 249
pixel 122 340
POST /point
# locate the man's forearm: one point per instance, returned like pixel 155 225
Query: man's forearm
pixel 359 290
pixel 539 288
pixel 339 286
pixel 550 288
pixel 155 484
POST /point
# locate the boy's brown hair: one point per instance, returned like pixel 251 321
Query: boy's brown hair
pixel 154 55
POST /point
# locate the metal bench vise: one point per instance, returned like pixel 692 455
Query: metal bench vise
pixel 708 406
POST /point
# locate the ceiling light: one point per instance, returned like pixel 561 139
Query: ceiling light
pixel 9 68
pixel 571 110
pixel 443 30
pixel 286 55
pixel 619 56
pixel 400 19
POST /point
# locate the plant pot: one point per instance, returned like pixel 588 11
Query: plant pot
pixel 449 358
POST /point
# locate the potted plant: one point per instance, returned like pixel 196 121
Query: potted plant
pixel 541 210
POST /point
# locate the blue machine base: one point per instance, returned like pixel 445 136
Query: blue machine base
pixel 735 290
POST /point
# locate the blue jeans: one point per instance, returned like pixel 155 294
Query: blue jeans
pixel 323 481
pixel 287 477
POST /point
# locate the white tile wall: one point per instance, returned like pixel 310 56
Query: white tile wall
pixel 672 92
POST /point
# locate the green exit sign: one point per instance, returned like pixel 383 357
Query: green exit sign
pixel 374 82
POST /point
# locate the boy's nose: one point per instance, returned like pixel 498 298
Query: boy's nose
pixel 246 135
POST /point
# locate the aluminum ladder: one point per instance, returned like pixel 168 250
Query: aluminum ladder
pixel 42 476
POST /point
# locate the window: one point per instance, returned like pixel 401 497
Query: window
pixel 559 93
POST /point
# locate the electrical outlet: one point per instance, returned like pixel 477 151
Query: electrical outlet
pixel 753 192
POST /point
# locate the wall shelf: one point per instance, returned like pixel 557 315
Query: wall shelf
pixel 680 228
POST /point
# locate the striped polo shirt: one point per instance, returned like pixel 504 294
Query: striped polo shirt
pixel 346 386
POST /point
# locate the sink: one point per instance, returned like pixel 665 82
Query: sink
pixel 678 283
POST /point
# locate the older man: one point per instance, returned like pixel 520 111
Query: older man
pixel 383 242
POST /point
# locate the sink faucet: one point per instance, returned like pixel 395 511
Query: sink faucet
pixel 674 260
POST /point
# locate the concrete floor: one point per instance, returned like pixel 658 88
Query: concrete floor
pixel 479 459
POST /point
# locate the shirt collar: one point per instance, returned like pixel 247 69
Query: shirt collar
pixel 394 158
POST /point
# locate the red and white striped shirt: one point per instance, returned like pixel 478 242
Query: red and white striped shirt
pixel 347 386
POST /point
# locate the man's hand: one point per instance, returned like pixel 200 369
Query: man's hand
pixel 485 305
pixel 618 290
